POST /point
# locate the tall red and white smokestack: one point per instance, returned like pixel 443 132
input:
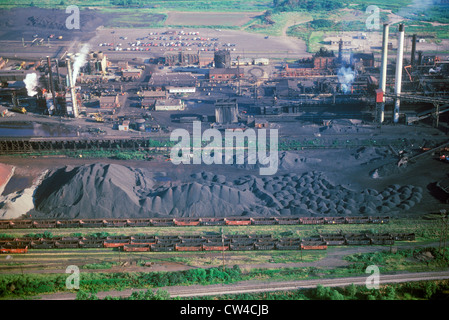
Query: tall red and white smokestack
pixel 399 63
pixel 383 72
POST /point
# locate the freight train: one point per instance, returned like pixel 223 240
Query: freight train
pixel 167 222
pixel 142 243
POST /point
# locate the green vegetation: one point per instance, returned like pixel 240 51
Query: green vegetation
pixel 421 290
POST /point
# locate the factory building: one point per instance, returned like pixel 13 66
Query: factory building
pixel 177 79
pixel 181 58
pixel 226 111
pixel 169 105
pixel 222 59
pixel 225 74
pixel 367 59
pixel 109 102
pixel 131 74
pixel 96 63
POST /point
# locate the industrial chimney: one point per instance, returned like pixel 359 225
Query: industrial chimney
pixel 73 111
pixel 383 72
pixel 413 56
pixel 399 63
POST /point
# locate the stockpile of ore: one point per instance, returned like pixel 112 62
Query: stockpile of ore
pixel 115 191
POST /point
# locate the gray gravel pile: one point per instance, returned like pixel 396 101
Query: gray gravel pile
pixel 115 191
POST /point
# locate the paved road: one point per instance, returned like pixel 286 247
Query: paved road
pixel 252 286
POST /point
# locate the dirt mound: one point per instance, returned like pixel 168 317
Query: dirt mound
pixel 116 191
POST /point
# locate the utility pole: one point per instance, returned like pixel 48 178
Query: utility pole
pixel 222 248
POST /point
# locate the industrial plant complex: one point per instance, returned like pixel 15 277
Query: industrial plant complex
pixel 357 130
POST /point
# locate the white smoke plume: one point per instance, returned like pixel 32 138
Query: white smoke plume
pixel 346 77
pixel 80 60
pixel 31 84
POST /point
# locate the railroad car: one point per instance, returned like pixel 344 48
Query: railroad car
pixel 21 224
pixel 68 224
pixel 313 245
pixel 403 236
pixel 44 224
pixel 357 240
pixel 115 243
pixel 261 236
pixel 67 244
pixel 162 247
pixel 200 240
pixel 162 222
pixel 357 220
pixel 213 221
pixel 92 223
pixel 187 221
pixel 263 221
pixel 381 240
pixel 238 247
pixel 215 246
pixel 379 220
pixel 48 244
pixel 115 223
pixel 334 240
pixel 138 222
pixel 232 221
pixel 136 247
pixel 311 220
pixel 286 221
pixel 268 245
pixel 188 247
pixel 13 249
pixel 91 244
pixel 288 246
pixel 334 220
pixel 119 238
pixel 5 224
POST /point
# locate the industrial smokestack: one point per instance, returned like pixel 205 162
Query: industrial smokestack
pixel 72 89
pixel 52 85
pixel 383 72
pixel 398 83
pixel 340 51
pixel 413 56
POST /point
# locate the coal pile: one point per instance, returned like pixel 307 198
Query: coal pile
pixel 115 191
